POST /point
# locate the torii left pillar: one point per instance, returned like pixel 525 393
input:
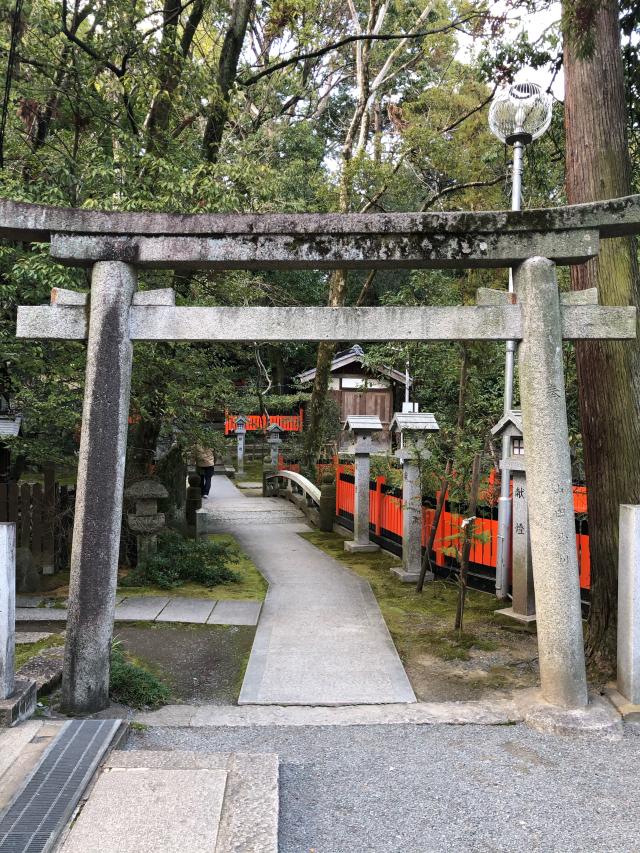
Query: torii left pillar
pixel 98 513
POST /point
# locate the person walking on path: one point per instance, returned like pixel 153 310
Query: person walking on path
pixel 205 460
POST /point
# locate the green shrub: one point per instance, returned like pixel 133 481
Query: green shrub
pixel 133 685
pixel 180 561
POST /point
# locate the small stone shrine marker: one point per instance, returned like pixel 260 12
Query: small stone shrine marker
pixel 274 440
pixel 146 522
pixel 523 601
pixel 116 245
pixel 413 428
pixel 362 427
pixel 241 432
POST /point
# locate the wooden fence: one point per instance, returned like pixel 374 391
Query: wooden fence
pixel 44 520
pixel 385 520
pixel 288 423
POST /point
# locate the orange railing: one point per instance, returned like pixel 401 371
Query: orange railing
pixel 385 518
pixel 289 423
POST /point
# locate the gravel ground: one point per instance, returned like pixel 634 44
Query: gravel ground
pixel 421 789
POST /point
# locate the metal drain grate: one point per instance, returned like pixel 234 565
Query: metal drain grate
pixel 42 807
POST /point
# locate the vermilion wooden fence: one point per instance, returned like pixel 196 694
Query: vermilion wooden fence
pixel 289 423
pixel 385 518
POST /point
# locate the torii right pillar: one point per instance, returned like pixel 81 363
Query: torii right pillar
pixel 551 515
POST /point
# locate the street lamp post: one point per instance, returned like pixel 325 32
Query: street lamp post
pixel 518 115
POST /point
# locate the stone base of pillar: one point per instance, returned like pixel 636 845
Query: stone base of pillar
pixel 20 705
pixel 598 717
pixel 407 576
pixel 361 548
pixel 519 617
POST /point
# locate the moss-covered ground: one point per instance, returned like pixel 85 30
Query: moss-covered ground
pixel 252 473
pixel 251 586
pixel 492 652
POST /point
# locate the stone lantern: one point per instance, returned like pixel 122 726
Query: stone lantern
pixel 241 431
pixel 412 429
pixel 522 591
pixel 362 428
pixel 146 522
pixel 274 440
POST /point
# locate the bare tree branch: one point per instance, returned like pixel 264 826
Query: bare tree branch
pixel 315 54
pixel 454 188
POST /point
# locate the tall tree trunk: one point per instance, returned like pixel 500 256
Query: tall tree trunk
pixel 337 290
pixel 598 167
pixel 227 71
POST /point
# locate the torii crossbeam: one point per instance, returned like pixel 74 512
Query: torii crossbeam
pixel 114 245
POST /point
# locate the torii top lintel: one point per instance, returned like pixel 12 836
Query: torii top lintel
pixel 322 240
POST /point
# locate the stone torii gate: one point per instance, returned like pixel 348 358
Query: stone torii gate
pixel 116 245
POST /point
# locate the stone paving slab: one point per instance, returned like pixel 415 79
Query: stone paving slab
pixel 140 608
pixel 41 614
pixel 29 600
pixel 182 609
pixel 235 612
pixel 249 819
pixel 175 609
pixel 142 810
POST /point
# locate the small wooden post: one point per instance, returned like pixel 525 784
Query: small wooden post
pixel 49 519
pixel 25 516
pixel 36 524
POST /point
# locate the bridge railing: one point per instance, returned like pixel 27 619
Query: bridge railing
pixel 297 489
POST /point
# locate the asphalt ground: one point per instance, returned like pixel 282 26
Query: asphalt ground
pixel 418 789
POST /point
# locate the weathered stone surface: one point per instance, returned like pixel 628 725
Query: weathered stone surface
pixel 249 817
pixel 180 811
pixel 490 296
pixel 181 609
pixel 98 512
pixel 549 483
pixel 160 296
pixel 7 607
pixel 143 608
pixel 146 490
pixel 361 539
pixel 235 613
pixel 45 669
pixel 41 614
pixel 628 670
pixel 411 522
pixel 599 717
pixel 24 221
pixel 322 251
pixel 146 524
pixel 20 705
pixel 249 820
pixel 494 712
pixel 501 322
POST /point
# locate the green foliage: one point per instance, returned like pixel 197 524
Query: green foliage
pixel 181 561
pixel 132 684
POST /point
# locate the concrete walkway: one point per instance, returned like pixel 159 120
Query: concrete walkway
pixel 321 639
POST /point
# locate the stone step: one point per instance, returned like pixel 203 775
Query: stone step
pixel 164 800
